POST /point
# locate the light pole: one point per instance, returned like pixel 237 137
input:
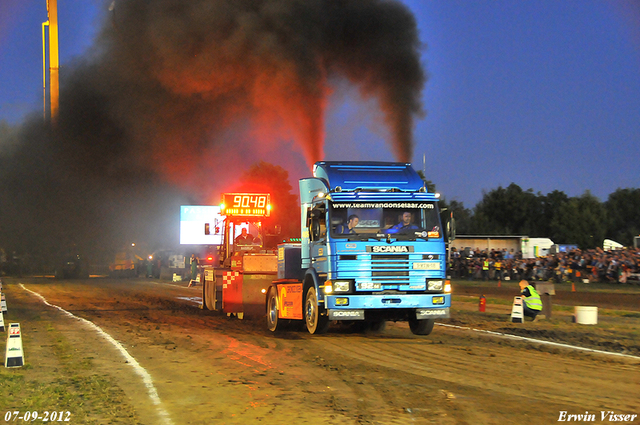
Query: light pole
pixel 54 65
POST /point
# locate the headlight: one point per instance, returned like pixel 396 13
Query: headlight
pixel 340 286
pixel 435 285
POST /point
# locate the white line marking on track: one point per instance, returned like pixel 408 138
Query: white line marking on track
pixel 173 285
pixel 539 341
pixel 195 300
pixel 146 378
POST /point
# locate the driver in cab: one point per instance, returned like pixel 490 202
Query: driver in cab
pixel 405 225
pixel 348 228
pixel 244 238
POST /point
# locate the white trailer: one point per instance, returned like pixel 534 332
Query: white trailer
pixel 535 247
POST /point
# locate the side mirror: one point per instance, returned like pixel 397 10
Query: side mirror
pixel 313 222
pixel 449 225
pixel 309 217
pixel 314 231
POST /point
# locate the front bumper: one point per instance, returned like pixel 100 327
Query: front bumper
pixel 379 301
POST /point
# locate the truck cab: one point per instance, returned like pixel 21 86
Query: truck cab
pixel 246 268
pixel 391 265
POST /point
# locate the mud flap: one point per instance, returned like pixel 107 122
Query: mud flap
pixel 346 314
pixel 432 313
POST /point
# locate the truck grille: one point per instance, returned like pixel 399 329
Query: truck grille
pixel 387 273
pixel 390 269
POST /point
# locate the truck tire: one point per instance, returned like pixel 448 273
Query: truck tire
pixel 316 323
pixel 209 294
pixel 274 323
pixel 421 326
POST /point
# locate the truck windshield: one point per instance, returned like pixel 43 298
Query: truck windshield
pixel 402 220
pixel 246 235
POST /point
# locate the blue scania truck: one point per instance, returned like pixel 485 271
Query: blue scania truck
pixel 389 264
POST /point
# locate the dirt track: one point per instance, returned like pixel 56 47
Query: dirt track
pixel 208 368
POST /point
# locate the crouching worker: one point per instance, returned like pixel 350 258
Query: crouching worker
pixel 532 305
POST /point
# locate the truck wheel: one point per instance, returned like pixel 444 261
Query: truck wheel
pixel 208 294
pixel 421 326
pixel 273 322
pixel 316 322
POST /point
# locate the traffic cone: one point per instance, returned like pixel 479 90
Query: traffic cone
pixel 499 283
pixel 573 287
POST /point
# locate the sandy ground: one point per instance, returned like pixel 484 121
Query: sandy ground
pixel 209 368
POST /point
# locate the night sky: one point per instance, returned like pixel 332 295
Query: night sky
pixel 545 94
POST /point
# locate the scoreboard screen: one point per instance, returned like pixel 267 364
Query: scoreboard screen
pixel 246 204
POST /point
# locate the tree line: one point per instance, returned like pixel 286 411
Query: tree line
pixel 583 220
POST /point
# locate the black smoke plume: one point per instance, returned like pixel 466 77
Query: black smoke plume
pixel 173 90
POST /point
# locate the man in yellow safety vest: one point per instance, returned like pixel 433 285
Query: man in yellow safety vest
pixel 485 269
pixel 532 305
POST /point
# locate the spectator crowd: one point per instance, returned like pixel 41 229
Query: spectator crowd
pixel 593 265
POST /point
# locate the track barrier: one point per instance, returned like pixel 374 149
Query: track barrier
pixel 14 356
pixel 517 312
pixel 194 282
pixel 3 303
